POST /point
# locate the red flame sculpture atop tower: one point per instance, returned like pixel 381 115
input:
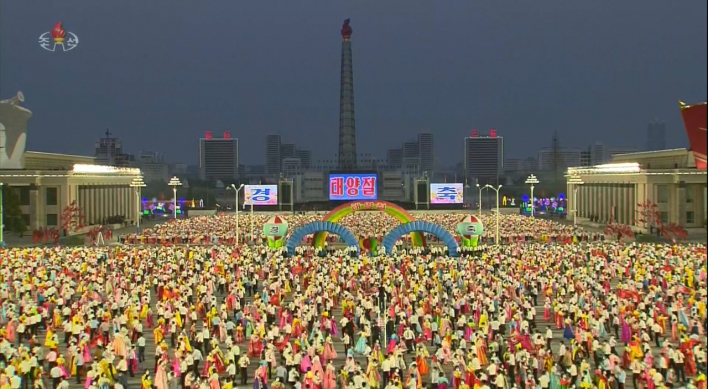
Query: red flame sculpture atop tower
pixel 58 33
pixel 346 30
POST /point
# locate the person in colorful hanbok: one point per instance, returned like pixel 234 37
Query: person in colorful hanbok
pixel 329 380
pixel 361 345
pixel 146 381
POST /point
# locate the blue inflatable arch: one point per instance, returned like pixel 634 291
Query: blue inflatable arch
pixel 421 226
pixel 329 227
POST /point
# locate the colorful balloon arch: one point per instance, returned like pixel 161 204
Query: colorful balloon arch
pixel 381 206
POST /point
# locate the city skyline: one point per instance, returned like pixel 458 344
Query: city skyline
pixel 410 77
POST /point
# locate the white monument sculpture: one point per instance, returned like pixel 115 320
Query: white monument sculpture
pixel 13 131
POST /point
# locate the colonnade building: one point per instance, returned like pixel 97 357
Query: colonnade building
pixel 667 178
pixel 50 182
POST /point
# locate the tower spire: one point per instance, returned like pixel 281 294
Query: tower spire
pixel 347 156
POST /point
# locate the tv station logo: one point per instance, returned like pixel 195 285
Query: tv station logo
pixel 58 37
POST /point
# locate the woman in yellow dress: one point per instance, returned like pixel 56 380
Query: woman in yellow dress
pixel 144 311
pixel 105 370
pixel 56 320
pixel 158 334
pixel 372 375
pixel 146 381
pixel 50 341
pixel 484 323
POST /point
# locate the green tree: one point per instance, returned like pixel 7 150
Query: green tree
pixel 12 215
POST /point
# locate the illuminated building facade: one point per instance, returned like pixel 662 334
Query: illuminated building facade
pixel 50 182
pixel 46 183
pixel 667 178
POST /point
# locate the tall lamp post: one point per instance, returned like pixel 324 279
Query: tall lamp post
pixel 174 183
pixel 496 190
pixel 138 185
pixel 253 239
pixel 532 180
pixel 480 201
pixel 236 190
pixel 576 181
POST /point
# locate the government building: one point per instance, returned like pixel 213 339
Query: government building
pixel 46 183
pixel 613 192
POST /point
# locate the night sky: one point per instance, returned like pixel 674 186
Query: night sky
pixel 160 73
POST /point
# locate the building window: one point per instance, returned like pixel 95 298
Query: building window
pixel 690 195
pixel 52 196
pixel 24 193
pixel 664 217
pixel 662 194
pixel 52 219
pixel 690 217
pixel 26 219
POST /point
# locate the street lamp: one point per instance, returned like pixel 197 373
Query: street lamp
pixel 236 190
pixel 496 190
pixel 174 183
pixel 576 181
pixel 480 201
pixel 532 180
pixel 138 185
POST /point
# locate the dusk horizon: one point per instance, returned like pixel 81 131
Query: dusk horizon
pixel 159 77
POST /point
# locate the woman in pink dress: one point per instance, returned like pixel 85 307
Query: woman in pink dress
pixel 329 381
pixel 161 375
pixel 317 367
pixel 329 352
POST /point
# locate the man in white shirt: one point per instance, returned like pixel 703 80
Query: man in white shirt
pixel 500 381
pixel 55 373
pixel 386 368
pixel 197 358
pixel 679 360
pixel 492 372
pixel 243 363
pixel 122 368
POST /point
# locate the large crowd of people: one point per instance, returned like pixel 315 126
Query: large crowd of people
pixel 223 228
pixel 595 314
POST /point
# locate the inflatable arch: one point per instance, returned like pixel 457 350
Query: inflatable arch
pixel 421 226
pixel 382 206
pixel 314 227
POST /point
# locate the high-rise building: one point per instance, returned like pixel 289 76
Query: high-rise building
pixel 153 166
pixel 109 151
pixel 559 159
pixel 394 158
pixel 347 133
pixel 656 135
pixel 218 158
pixel 305 157
pixel 411 156
pixel 530 164
pixel 425 149
pixel 598 153
pixel 586 158
pixel 483 158
pixel 287 150
pixel 278 153
pixel 512 165
pixel 273 156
